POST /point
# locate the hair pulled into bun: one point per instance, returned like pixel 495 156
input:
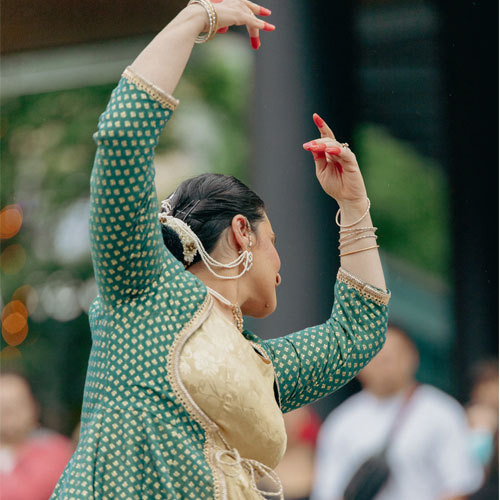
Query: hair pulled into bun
pixel 207 204
pixel 173 243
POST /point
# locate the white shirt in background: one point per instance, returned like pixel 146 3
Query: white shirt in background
pixel 429 456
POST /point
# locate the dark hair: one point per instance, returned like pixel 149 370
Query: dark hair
pixel 208 203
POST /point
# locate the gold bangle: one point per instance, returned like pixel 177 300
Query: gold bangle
pixel 348 241
pixel 360 250
pixel 357 230
pixel 353 223
pixel 213 21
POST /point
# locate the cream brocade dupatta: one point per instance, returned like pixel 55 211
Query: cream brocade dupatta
pixel 234 386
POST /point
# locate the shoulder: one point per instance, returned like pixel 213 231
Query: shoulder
pixel 439 404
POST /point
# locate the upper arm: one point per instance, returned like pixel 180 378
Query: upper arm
pixel 314 362
pixel 126 243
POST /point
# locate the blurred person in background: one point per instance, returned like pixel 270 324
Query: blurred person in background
pixel 296 469
pixel 31 458
pixel 428 453
pixel 180 401
pixel 482 415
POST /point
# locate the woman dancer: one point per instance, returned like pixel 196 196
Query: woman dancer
pixel 180 402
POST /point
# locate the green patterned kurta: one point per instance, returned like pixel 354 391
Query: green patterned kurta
pixel 140 438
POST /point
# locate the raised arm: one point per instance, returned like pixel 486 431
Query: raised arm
pixel 127 247
pixel 163 61
pixel 314 362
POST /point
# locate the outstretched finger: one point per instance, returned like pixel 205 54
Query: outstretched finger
pixel 323 128
pixel 254 37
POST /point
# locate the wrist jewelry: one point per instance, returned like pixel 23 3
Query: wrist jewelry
pixel 213 22
pixel 346 242
pixel 357 251
pixel 349 232
pixel 354 223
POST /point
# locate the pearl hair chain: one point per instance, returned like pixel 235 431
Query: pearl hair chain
pixel 186 234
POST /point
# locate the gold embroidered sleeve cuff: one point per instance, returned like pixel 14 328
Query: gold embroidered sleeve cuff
pixel 164 98
pixel 369 291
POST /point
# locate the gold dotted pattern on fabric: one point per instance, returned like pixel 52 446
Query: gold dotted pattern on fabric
pixel 137 439
pixel 312 363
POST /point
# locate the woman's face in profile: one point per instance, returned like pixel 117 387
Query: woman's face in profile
pixel 263 278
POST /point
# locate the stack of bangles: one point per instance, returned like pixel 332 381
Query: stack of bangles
pixel 349 234
pixel 213 22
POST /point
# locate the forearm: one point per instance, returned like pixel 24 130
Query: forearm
pixel 365 265
pixel 163 61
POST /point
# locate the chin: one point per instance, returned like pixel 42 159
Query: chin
pixel 260 310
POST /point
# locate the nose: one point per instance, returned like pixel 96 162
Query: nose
pixel 278 279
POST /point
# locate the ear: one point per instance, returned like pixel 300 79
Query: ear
pixel 240 231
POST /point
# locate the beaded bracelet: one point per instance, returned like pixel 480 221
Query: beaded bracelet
pixel 213 22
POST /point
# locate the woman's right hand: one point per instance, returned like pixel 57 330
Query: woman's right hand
pixel 242 13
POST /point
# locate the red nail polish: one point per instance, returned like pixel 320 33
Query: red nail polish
pixel 223 30
pixel 339 167
pixel 310 143
pixel 318 121
pixel 318 147
pixel 264 12
pixel 269 27
pixel 255 42
pixel 333 150
pixel 318 155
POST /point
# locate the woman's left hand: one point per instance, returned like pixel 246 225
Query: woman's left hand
pixel 336 166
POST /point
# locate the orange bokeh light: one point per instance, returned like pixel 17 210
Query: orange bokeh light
pixel 9 353
pixel 28 296
pixel 14 306
pixel 14 329
pixel 14 323
pixel 11 220
pixel 13 259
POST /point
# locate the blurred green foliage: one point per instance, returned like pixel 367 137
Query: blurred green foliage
pixel 46 156
pixel 410 200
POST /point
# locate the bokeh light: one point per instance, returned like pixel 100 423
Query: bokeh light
pixel 28 296
pixel 14 323
pixel 9 353
pixel 14 306
pixel 11 220
pixel 12 259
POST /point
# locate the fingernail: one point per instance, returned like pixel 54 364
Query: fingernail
pixel 310 143
pixel 334 150
pixel 255 42
pixel 339 166
pixel 264 12
pixel 318 147
pixel 223 30
pixel 269 27
pixel 318 156
pixel 318 121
